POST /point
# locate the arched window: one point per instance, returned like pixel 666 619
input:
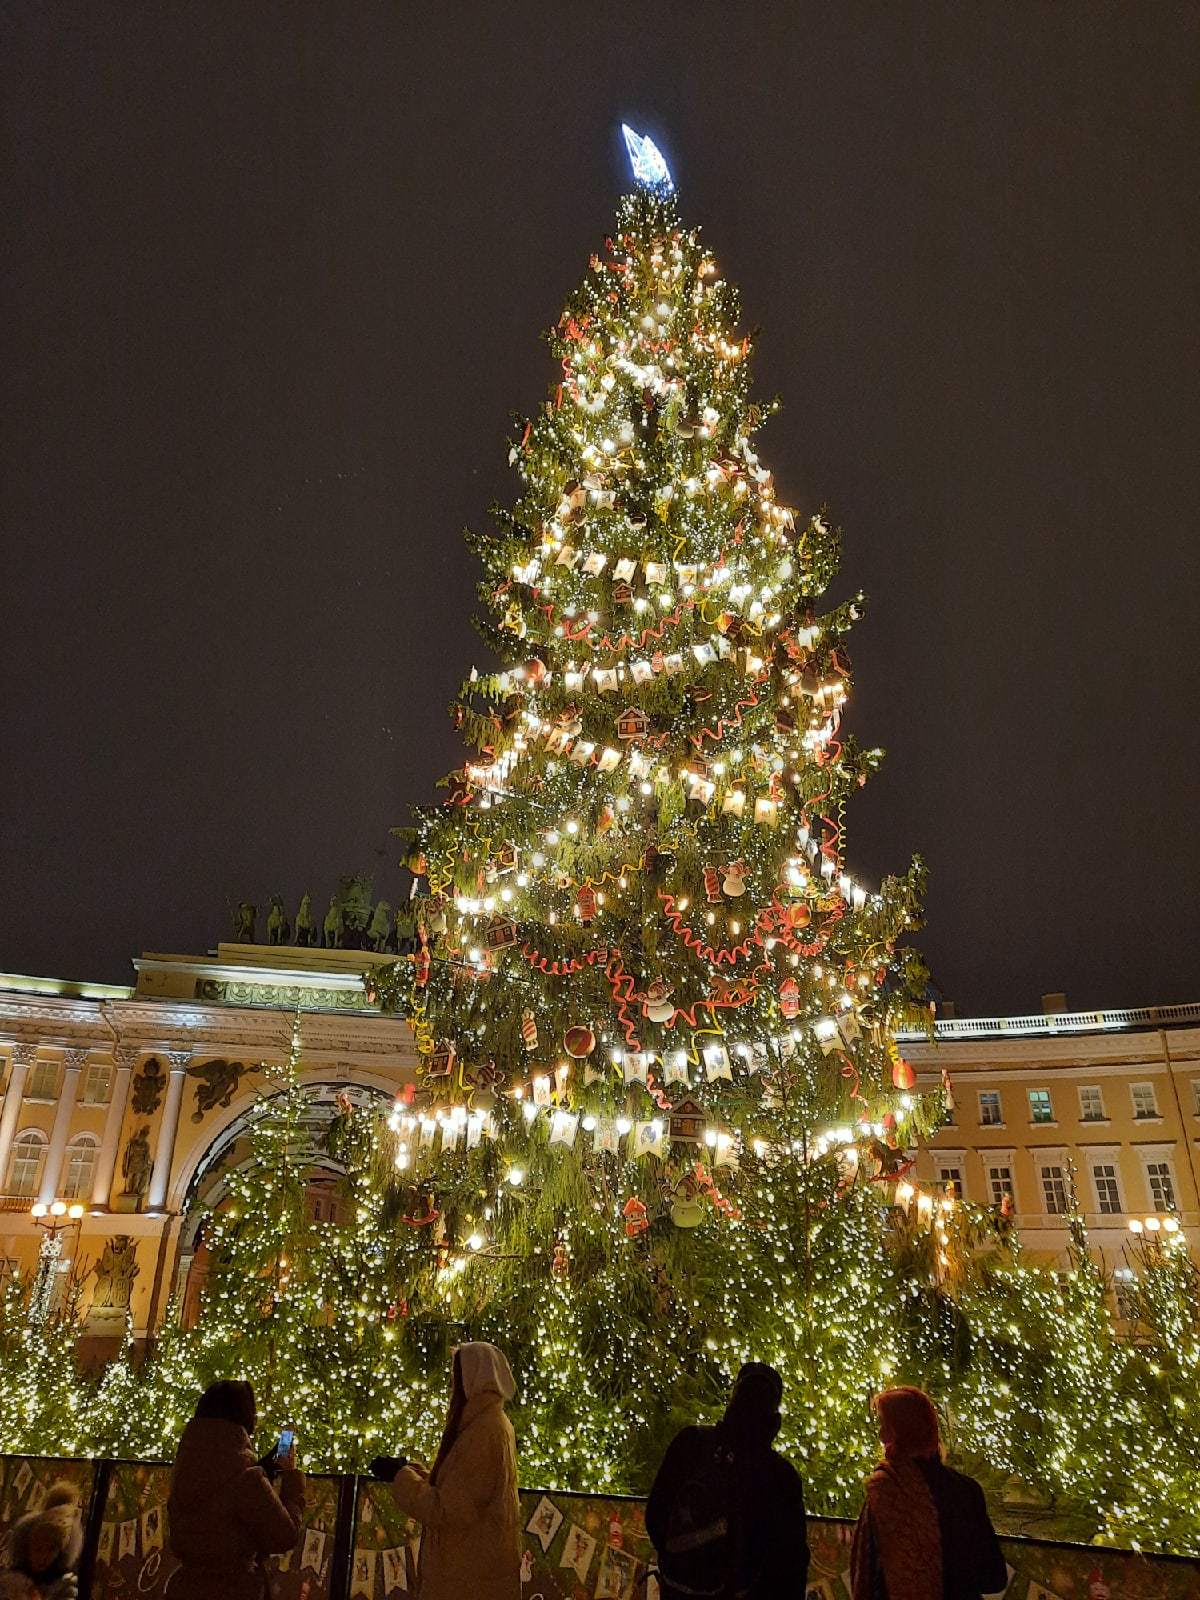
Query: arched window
pixel 28 1159
pixel 79 1168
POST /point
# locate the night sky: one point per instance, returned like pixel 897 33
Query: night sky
pixel 275 278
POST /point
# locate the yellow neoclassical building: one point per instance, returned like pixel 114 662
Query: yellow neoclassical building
pixel 129 1105
pixel 1105 1101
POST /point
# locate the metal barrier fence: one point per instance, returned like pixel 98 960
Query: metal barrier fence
pixel 356 1546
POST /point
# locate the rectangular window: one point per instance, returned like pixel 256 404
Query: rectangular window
pixel 1162 1185
pixel 1040 1109
pixel 42 1083
pixel 1144 1102
pixel 25 1167
pixel 950 1173
pixel 1125 1289
pixel 97 1085
pixel 1000 1181
pixel 1196 1097
pixel 990 1115
pixel 79 1171
pixel 1108 1196
pixel 1054 1191
pixel 1091 1105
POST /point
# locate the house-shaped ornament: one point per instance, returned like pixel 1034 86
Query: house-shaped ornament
pixel 441 1062
pixel 501 932
pixel 687 1123
pixel 632 724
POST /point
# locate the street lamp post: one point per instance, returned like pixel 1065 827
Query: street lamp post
pixel 1150 1230
pixel 53 1219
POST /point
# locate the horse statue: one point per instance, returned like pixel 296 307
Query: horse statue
pixel 332 927
pixel 245 920
pixel 278 926
pixel 354 896
pixel 306 928
pixel 405 929
pixel 379 931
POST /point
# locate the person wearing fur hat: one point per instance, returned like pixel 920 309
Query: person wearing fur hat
pixel 45 1549
pixel 224 1514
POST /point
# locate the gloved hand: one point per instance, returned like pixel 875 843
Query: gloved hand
pixel 385 1468
pixel 270 1464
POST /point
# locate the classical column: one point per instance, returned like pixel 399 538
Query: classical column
pixel 22 1060
pixel 160 1177
pixel 106 1157
pixel 73 1064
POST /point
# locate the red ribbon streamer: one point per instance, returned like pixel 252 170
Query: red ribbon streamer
pixel 715 734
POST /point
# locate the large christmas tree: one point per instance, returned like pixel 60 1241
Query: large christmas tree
pixel 660 1097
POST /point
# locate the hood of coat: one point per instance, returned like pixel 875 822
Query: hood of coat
pixel 485 1370
pixel 211 1452
pixel 56 1531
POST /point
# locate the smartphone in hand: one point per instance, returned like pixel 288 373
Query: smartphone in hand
pixel 287 1443
pixel 385 1468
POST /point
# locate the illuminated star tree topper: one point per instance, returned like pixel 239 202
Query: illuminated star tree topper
pixel 646 158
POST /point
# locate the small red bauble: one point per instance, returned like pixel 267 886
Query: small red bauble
pixel 579 1041
pixel 903 1075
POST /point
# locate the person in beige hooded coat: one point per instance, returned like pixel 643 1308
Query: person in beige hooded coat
pixel 467 1504
pixel 224 1514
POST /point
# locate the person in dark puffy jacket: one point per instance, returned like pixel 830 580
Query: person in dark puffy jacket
pixel 224 1515
pixel 726 1512
pixel 924 1532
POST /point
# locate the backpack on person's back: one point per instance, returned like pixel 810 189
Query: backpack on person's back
pixel 726 1513
pixel 700 1550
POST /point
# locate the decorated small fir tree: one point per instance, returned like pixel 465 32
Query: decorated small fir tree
pixel 44 1396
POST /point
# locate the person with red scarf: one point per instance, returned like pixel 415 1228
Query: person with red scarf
pixel 924 1532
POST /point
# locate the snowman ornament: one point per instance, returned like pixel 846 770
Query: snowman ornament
pixel 656 1002
pixel 734 883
